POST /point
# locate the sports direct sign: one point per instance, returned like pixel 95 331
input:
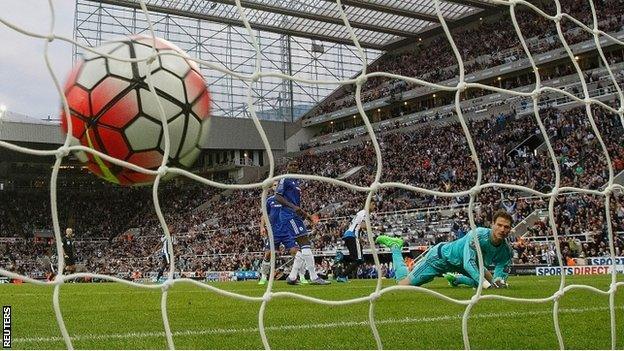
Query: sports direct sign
pixel 578 270
pixel 605 261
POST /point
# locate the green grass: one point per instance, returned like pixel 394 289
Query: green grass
pixel 115 316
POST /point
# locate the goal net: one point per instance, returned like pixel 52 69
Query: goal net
pixel 532 101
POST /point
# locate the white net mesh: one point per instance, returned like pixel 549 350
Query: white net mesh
pixel 376 186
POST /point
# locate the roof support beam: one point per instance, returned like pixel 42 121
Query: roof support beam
pixel 473 3
pixel 388 9
pixel 236 22
pixel 311 16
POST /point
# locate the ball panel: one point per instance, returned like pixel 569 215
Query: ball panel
pixel 194 66
pixel 78 125
pixel 92 73
pixel 194 84
pixel 176 128
pixel 189 159
pixel 93 167
pixel 137 178
pixel 142 49
pixel 78 101
pixel 80 155
pixel 73 74
pixel 169 84
pixel 89 139
pixel 159 43
pixel 105 93
pixel 142 52
pixel 120 68
pixel 175 64
pixel 103 169
pixel 105 48
pixel 201 107
pixel 114 142
pixel 203 134
pixel 149 105
pixel 147 159
pixel 192 134
pixel 123 180
pixel 143 134
pixel 99 166
pixel 122 111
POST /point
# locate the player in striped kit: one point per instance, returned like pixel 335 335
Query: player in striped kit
pixel 351 238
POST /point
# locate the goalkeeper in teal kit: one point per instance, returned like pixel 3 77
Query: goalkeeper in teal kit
pixel 459 256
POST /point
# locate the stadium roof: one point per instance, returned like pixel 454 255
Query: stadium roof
pixel 377 23
pixel 15 127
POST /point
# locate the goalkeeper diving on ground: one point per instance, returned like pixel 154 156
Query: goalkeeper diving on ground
pixel 459 256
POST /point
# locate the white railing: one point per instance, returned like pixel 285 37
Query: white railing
pixel 550 238
pixel 445 112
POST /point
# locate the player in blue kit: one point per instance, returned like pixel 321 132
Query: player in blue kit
pixel 459 256
pixel 273 211
pixel 291 216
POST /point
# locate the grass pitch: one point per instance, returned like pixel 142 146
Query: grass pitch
pixel 115 316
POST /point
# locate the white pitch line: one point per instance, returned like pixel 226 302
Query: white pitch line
pixel 290 327
pixel 173 291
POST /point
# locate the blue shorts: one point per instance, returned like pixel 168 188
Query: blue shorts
pixel 283 239
pixel 279 238
pixel 293 227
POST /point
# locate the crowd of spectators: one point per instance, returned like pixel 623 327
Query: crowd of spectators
pixel 492 42
pixel 599 84
pixel 582 232
pixel 218 230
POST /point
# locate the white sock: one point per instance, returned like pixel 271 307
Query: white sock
pixel 306 252
pixel 265 269
pixel 296 266
pixel 302 271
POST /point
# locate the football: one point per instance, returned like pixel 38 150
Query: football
pixel 113 111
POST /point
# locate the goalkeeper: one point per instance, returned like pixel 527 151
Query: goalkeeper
pixel 459 256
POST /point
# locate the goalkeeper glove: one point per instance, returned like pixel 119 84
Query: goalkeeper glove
pixel 500 283
pixel 496 284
